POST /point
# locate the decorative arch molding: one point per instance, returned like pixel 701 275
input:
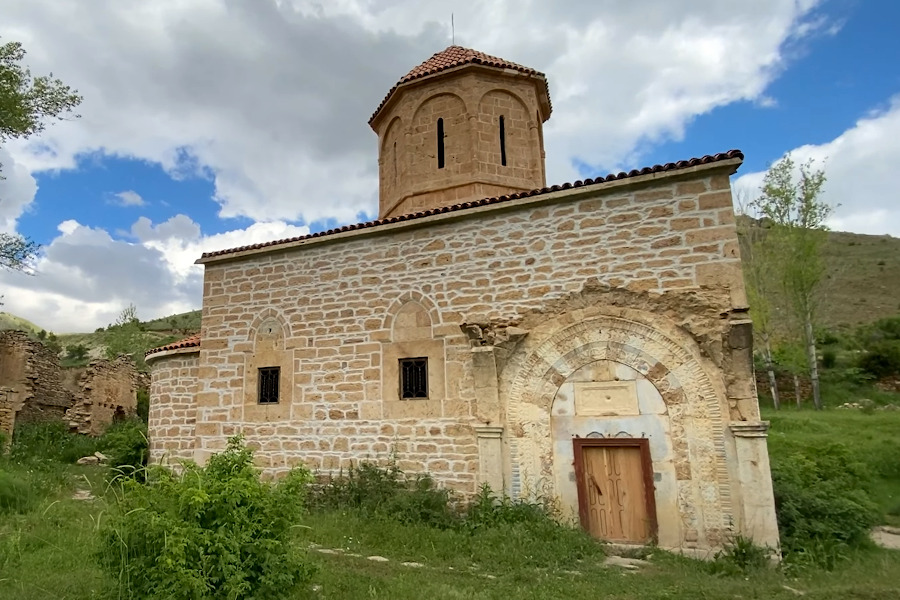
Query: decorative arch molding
pixel 269 315
pixel 411 296
pixel 506 92
pixel 437 95
pixel 694 396
pixel 395 127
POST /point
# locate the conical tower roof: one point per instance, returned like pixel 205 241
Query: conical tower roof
pixel 457 56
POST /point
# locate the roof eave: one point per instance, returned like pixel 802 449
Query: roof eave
pixel 566 192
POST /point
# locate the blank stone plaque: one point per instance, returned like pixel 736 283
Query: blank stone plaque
pixel 606 398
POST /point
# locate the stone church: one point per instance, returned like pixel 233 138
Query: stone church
pixel 587 342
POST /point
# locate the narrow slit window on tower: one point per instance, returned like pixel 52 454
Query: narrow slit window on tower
pixel 502 142
pixel 268 385
pixel 394 160
pixel 440 143
pixel 413 378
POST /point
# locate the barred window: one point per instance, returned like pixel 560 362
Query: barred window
pixel 413 378
pixel 268 384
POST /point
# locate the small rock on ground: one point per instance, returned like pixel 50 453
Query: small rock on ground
pixel 377 558
pixel 887 537
pixel 625 563
pixel 82 495
pixel 412 564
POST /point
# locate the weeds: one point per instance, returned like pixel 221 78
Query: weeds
pixel 213 532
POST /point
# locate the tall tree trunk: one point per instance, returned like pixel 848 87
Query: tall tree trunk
pixel 770 368
pixel 797 390
pixel 813 360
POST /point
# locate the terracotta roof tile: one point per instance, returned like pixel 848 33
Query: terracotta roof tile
pixel 188 342
pixel 456 56
pixel 682 164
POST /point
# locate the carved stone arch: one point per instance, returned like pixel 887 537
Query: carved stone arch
pixel 418 298
pixel 670 359
pixel 417 113
pixel 269 316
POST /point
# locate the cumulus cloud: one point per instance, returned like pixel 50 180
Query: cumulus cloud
pixel 17 190
pixel 128 198
pixel 271 98
pixel 860 165
pixel 84 277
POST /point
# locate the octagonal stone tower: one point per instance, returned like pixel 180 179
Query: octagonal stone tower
pixel 461 126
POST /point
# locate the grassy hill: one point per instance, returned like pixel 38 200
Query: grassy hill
pixel 863 279
pixel 9 321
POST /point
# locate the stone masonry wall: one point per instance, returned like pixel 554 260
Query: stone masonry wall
pixel 173 384
pixel 33 371
pixel 470 105
pixel 671 234
pixel 107 392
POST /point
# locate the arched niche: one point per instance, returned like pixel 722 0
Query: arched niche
pixel 456 140
pixel 267 354
pixel 412 338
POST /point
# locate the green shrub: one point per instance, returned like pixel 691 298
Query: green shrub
pixel 739 557
pixel 50 441
pixel 487 510
pixel 387 492
pixel 829 358
pixel 143 404
pixel 125 445
pixel 16 495
pixel 214 532
pixel 822 501
pixel 882 359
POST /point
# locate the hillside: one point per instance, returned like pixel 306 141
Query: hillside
pixel 8 321
pixel 863 279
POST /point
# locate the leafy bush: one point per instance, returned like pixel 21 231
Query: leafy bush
pixel 822 502
pixel 125 445
pixel 214 532
pixel 882 359
pixel 143 404
pixel 486 510
pixel 829 358
pixel 740 556
pixel 387 492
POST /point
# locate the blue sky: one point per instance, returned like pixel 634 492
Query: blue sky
pixel 189 143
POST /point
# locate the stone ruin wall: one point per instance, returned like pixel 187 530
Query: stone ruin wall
pixel 32 370
pixel 35 388
pixel 108 393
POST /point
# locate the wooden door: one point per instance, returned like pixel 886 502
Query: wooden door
pixel 615 489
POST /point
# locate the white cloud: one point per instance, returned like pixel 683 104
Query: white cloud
pixel 271 98
pixel 17 190
pixel 128 198
pixel 85 277
pixel 860 166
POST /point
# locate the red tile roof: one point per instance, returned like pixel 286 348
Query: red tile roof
pixel 682 164
pixel 188 342
pixel 456 56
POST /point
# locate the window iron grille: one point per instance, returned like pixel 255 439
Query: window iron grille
pixel 268 385
pixel 413 378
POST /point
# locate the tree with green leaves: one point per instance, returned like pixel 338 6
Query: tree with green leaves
pixel 790 202
pixel 759 277
pixel 27 103
pixel 127 336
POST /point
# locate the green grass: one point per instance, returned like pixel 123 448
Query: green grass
pixel 873 438
pixel 48 551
